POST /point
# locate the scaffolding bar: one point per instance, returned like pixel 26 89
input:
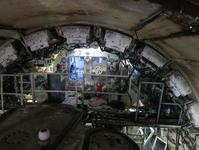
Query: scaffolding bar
pixel 2 101
pixel 32 87
pixel 160 103
pixel 51 91
pixel 137 104
pixel 154 83
pixel 108 93
pixel 14 94
pixel 21 88
pixel 107 75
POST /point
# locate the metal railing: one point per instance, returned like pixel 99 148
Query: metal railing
pixel 20 91
pixel 160 102
pixel 19 83
pixel 106 78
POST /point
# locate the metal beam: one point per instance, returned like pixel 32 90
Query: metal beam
pixel 148 20
pixel 137 104
pixel 2 100
pixel 21 89
pixel 160 103
pixel 188 7
pixel 130 123
pixel 173 35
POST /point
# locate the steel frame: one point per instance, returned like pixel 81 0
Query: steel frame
pixel 21 92
pixel 33 91
pixel 160 101
pixel 105 75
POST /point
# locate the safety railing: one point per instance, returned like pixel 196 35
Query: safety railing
pixel 24 89
pixel 163 111
pixel 25 84
pixel 105 80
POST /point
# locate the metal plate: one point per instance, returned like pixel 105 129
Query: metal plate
pixel 154 57
pixel 117 41
pixel 7 54
pixel 37 40
pixel 194 114
pixel 19 129
pixel 75 34
pixel 178 85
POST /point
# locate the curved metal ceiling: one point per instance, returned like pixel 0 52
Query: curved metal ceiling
pixel 173 33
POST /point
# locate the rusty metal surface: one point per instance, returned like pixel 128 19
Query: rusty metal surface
pixel 19 130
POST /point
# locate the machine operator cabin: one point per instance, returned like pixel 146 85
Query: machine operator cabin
pixel 99 75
